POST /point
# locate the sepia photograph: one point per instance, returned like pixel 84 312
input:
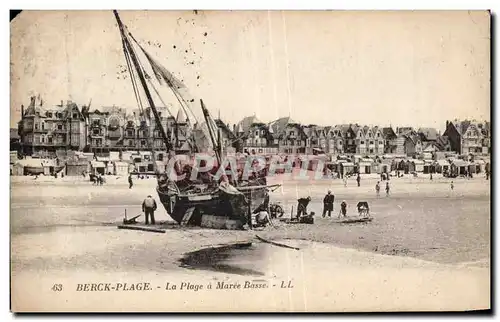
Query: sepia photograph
pixel 250 161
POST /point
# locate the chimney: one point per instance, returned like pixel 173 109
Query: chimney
pixel 234 128
pixel 62 103
pixel 159 114
pixel 22 110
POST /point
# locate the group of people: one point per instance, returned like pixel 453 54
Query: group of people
pixel 328 202
pixel 387 189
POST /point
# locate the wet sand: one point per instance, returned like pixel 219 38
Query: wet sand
pixel 66 230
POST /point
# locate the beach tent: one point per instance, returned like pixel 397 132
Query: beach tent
pixel 13 157
pixel 120 168
pixel 365 165
pixel 419 165
pixel 480 164
pixel 346 167
pixel 97 167
pixel 429 166
pixel 462 166
pixel 17 169
pixel 442 166
pixel 76 168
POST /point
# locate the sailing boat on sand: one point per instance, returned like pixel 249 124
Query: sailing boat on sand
pixel 206 201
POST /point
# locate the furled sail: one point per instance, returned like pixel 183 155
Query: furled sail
pixel 186 101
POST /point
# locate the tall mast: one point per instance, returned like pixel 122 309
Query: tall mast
pixel 142 78
pixel 211 132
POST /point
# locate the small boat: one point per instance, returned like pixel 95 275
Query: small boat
pixel 221 204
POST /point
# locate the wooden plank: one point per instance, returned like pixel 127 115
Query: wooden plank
pixel 187 216
pixel 135 227
pixel 353 220
pixel 275 243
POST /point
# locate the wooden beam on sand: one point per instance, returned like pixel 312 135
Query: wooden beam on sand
pixel 275 243
pixel 154 230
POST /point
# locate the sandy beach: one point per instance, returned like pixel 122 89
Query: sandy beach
pixel 428 248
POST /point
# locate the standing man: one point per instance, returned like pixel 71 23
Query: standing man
pixel 387 189
pixel 149 207
pixel 377 188
pixel 130 182
pixel 358 179
pixel 302 206
pixel 328 204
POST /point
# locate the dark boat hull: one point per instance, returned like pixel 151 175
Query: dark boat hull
pixel 201 208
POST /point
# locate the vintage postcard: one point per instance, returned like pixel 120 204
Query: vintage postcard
pixel 250 161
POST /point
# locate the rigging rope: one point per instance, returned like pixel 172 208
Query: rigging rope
pixel 179 97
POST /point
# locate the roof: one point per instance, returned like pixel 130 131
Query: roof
pixel 245 124
pixel 442 162
pixel 428 133
pixel 280 124
pixel 31 162
pixel 181 117
pixel 388 132
pixel 97 164
pixel 460 163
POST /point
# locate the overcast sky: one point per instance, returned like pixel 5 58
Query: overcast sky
pixel 322 67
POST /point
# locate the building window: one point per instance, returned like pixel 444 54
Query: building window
pixel 36 126
pixel 49 114
pixel 380 142
pixel 42 139
pixel 96 131
pixel 59 126
pixel 371 150
pixel 371 142
pixel 369 135
pixel 362 142
pixel 75 115
pixel 130 132
pixel 50 140
pixel 43 126
pixel 143 143
pixel 130 142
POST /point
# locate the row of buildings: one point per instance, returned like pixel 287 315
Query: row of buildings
pixel 45 131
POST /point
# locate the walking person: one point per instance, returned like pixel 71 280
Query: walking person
pixel 328 204
pixel 358 179
pixel 452 186
pixel 377 188
pixel 130 182
pixel 149 207
pixel 345 182
pixel 387 189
